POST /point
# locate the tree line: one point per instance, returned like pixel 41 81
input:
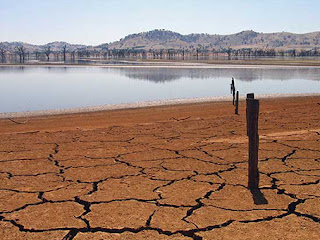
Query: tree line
pixel 21 54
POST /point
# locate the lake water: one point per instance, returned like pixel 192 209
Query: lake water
pixel 45 88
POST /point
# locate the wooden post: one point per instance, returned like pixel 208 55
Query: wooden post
pixel 232 86
pixel 250 95
pixel 237 103
pixel 233 90
pixel 252 132
pixel 233 96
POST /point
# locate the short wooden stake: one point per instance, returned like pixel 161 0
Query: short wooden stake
pixel 237 103
pixel 233 91
pixel 232 86
pixel 252 132
pixel 233 96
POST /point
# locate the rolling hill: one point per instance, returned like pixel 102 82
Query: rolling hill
pixel 163 39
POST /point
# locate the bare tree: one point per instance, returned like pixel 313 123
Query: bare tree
pixel 87 53
pixel 56 56
pixel 47 51
pixel 3 54
pixel 21 51
pixel 73 54
pixel 229 52
pixel 37 54
pixel 64 51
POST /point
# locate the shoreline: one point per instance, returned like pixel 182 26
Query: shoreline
pixel 186 65
pixel 143 104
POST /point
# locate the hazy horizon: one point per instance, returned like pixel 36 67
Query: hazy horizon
pixel 97 22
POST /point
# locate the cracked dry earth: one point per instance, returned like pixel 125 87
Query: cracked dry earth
pixel 177 172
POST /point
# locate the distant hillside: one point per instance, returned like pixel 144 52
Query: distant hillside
pixel 163 39
pixel 158 39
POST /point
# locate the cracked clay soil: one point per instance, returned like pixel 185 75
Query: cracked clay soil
pixel 172 172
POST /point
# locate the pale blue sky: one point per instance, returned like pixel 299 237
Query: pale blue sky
pixel 97 21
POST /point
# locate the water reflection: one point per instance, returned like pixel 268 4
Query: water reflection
pixel 161 75
pixel 39 88
pixel 103 62
pixel 44 70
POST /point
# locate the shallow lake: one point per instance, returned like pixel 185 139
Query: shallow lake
pixel 44 88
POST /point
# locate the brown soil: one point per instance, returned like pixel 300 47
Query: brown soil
pixel 177 172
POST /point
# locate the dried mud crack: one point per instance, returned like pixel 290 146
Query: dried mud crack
pixel 176 172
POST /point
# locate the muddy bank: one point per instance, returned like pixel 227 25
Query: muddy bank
pixel 144 104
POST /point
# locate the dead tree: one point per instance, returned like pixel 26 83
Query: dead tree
pixel 64 52
pixel 21 51
pixel 47 51
pixel 73 54
pixel 3 54
pixel 56 56
pixel 87 53
pixel 229 52
pixel 37 54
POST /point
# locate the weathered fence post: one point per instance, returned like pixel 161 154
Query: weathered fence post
pixel 252 132
pixel 233 90
pixel 233 96
pixel 237 103
pixel 232 86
